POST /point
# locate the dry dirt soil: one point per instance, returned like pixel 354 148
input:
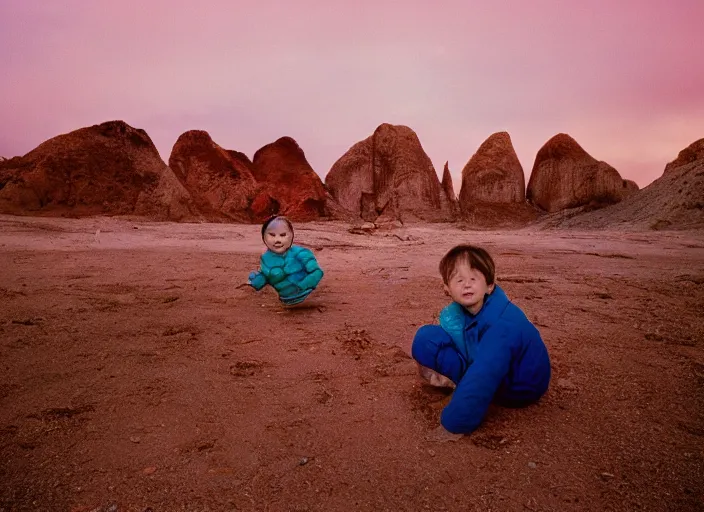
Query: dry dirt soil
pixel 139 373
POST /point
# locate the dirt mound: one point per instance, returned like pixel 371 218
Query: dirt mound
pixel 387 177
pixel 291 183
pixel 673 201
pixel 565 176
pixel 220 181
pixel 106 169
pixel 493 174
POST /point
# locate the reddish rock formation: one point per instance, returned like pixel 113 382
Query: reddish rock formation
pixel 492 194
pixel 108 169
pixel 389 177
pixel 351 177
pixel 629 187
pixel 691 153
pixel 449 190
pixel 673 201
pixel 220 182
pixel 290 181
pixel 226 185
pixel 493 174
pixel 565 176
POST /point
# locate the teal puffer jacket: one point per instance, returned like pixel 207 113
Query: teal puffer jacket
pixel 293 274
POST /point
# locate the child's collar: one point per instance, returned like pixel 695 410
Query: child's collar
pixel 493 306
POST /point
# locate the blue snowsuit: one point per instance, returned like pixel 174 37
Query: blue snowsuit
pixel 497 355
pixel 293 274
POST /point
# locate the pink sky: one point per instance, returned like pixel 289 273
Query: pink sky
pixel 623 77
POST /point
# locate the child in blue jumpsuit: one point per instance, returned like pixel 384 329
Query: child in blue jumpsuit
pixel 291 270
pixel 484 344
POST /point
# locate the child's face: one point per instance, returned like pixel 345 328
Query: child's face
pixel 467 286
pixel 278 237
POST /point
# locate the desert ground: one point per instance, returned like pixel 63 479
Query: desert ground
pixel 140 373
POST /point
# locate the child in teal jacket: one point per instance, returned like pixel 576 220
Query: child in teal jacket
pixel 290 269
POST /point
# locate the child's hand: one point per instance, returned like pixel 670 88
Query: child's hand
pixel 256 280
pixel 441 435
pixel 435 379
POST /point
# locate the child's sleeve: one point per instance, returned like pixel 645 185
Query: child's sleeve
pixel 476 390
pixel 313 270
pixel 257 279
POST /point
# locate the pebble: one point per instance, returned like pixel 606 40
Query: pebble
pixel 532 465
pixel 566 384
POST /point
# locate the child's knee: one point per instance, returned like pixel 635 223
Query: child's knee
pixel 426 343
